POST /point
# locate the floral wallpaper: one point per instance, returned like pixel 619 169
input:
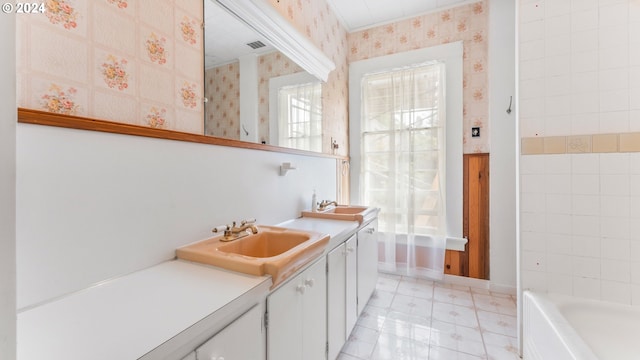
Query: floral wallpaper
pixel 155 47
pixel 140 62
pixel 222 110
pixel 56 100
pixel 137 62
pixel 114 73
pixel 61 12
pixel 468 23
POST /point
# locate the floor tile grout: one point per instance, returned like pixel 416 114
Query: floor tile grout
pixel 391 293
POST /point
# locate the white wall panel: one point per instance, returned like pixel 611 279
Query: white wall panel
pixel 93 206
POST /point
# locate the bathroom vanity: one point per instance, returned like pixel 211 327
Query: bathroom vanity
pixel 186 310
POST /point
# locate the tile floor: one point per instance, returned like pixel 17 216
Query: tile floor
pixel 409 318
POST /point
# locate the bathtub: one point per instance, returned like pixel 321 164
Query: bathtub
pixel 561 327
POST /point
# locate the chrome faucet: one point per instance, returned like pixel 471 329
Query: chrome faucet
pixel 322 205
pixel 233 232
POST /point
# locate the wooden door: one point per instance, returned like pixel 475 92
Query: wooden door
pixel 474 261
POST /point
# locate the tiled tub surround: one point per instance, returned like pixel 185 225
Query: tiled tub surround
pixel 579 67
pixel 410 318
pixel 578 144
pixel 580 220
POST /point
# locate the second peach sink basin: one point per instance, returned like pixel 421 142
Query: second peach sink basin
pixel 342 212
pixel 276 251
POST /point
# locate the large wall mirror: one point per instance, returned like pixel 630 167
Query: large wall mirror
pixel 263 82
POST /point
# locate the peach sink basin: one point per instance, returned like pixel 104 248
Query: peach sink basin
pixel 275 251
pixel 342 212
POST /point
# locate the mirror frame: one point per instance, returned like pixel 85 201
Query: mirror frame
pixel 263 18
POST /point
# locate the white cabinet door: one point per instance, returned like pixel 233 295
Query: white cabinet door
pixel 242 339
pixel 351 295
pixel 336 300
pixel 367 263
pixel 314 313
pixel 284 309
pixel 297 327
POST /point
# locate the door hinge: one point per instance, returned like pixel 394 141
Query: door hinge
pixel 266 320
pixel 326 350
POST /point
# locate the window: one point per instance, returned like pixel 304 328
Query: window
pixel 403 148
pixel 410 133
pixel 296 112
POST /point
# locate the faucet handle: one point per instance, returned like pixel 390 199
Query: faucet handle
pixel 220 228
pixel 248 221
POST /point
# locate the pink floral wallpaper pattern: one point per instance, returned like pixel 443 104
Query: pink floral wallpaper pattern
pixel 188 30
pixel 114 72
pixel 82 58
pixel 222 115
pixel 155 46
pixel 61 12
pixel 122 69
pixel 122 4
pixel 467 23
pixel 56 100
pixel 156 118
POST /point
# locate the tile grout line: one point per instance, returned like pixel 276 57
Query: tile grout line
pixel 475 312
pixel 394 292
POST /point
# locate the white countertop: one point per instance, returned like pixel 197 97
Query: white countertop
pixel 159 312
pixel 128 317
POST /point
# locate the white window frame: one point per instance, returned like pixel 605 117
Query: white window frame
pixel 451 55
pixel 275 84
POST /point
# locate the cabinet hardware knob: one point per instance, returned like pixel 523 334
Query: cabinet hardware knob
pixel 301 289
pixel 309 282
pixel 350 249
pixel 371 230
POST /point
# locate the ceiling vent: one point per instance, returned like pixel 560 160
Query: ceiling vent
pixel 256 44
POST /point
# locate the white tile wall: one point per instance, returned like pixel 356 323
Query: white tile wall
pixel 579 67
pixel 579 223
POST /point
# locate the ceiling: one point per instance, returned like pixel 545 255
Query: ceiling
pixel 361 14
pixel 226 37
pixel 229 36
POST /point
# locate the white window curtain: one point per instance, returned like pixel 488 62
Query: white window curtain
pixel 300 116
pixel 403 166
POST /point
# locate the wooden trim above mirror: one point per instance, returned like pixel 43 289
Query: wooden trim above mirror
pixel 29 116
